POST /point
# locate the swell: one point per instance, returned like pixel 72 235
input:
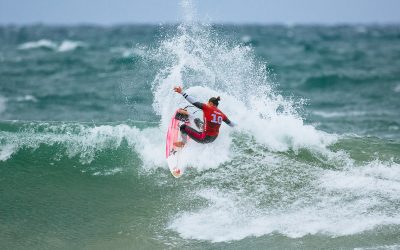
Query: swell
pixel 81 143
pixel 349 188
pixel 78 143
pixel 339 80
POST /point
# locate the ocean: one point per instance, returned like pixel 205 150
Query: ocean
pixel 313 163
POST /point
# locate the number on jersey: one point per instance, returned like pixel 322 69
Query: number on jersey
pixel 216 119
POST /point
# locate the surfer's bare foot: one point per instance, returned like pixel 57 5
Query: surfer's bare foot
pixel 179 144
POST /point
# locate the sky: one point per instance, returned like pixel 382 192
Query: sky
pixel 109 12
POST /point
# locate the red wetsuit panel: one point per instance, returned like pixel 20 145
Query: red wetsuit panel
pixel 197 136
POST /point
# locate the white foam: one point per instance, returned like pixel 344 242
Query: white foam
pixel 43 43
pixel 68 45
pixel 340 210
pixel 376 178
pixel 109 172
pixel 339 114
pixel 129 52
pixel 197 155
pixel 6 151
pixel 338 203
pixel 64 46
pixel 151 148
pixel 26 98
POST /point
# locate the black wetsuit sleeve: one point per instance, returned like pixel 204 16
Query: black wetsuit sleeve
pixel 229 122
pixel 193 101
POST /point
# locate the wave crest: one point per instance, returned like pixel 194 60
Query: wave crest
pixel 64 46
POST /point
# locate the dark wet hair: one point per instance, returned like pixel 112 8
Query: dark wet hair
pixel 215 100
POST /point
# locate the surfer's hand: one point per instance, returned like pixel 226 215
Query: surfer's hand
pixel 178 89
pixel 183 112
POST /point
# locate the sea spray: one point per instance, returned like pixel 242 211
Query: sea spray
pixel 256 196
pixel 206 65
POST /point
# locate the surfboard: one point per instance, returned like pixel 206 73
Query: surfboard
pixel 173 153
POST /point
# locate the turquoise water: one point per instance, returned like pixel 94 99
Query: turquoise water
pixel 313 163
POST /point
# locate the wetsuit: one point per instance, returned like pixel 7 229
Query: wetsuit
pixel 213 118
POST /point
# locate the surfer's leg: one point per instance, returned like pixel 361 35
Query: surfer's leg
pixel 184 136
pixel 192 133
pixel 209 139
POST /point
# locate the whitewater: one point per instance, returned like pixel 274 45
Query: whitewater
pixel 82 140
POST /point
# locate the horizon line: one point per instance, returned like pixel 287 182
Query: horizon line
pixel 201 22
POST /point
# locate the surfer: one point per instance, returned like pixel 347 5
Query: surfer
pixel 212 116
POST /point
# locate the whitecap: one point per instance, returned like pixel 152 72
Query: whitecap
pixel 128 52
pixel 26 98
pixel 339 114
pixel 43 43
pixel 68 45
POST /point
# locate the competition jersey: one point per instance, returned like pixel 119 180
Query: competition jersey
pixel 213 118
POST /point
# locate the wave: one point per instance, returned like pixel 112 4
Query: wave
pixel 248 190
pixel 128 52
pixel 339 114
pixel 64 46
pixel 207 65
pixel 26 98
pixel 3 105
pixel 68 45
pixel 74 140
pixel 43 43
pixel 272 174
pixel 291 198
pixel 275 199
pixel 335 80
pixel 276 173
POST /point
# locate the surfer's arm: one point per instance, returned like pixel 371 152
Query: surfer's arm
pixel 229 122
pixel 189 98
pixel 192 100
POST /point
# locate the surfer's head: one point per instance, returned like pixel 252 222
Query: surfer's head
pixel 214 101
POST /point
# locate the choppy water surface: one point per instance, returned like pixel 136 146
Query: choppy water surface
pixel 313 163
